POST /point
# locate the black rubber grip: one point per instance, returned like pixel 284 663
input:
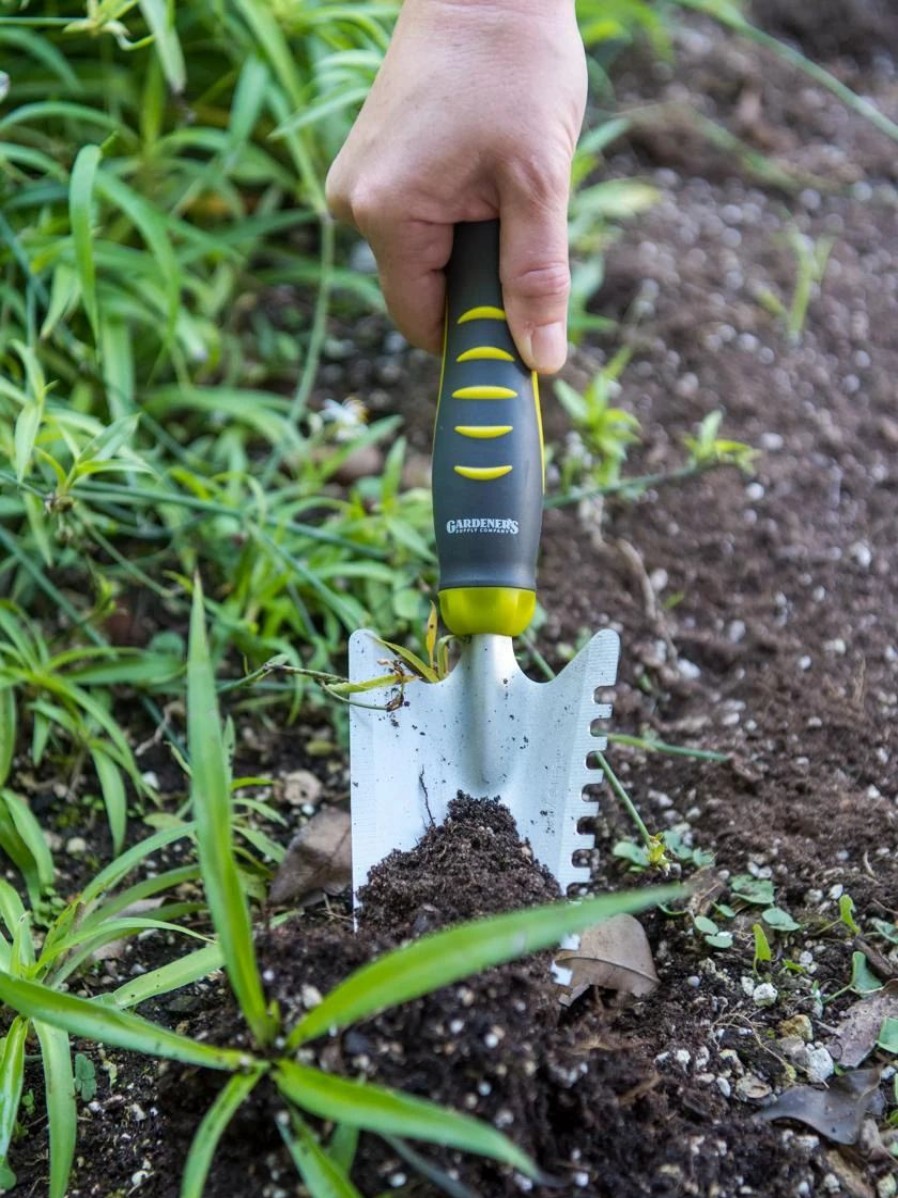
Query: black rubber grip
pixel 488 451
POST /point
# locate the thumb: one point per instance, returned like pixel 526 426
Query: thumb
pixel 536 278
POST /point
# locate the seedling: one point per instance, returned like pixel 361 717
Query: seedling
pixel 811 259
pixel 763 954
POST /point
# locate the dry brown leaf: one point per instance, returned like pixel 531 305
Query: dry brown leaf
pixel 319 859
pixel 836 1112
pixel 613 954
pixel 859 1028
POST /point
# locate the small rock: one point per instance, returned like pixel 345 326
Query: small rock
pixel 764 995
pixel 76 847
pixel 310 996
pixel 818 1065
pixel 751 1088
pixel 799 1026
pixel 300 787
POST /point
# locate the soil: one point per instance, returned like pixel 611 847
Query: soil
pixel 758 619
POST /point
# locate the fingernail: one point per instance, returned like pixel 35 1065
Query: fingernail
pixel 548 347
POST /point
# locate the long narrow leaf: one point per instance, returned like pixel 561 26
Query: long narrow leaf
pixel 166 978
pixel 158 15
pixel 107 1025
pixel 379 1109
pixel 212 809
pixel 81 196
pixel 8 728
pixel 446 957
pixel 12 1073
pixel 112 787
pixel 131 858
pixel 62 1111
pixel 324 1177
pixel 199 1160
pixel 39 870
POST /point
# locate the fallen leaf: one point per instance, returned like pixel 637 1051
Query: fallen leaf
pixel 836 1112
pixel 319 858
pixel 614 954
pixel 859 1028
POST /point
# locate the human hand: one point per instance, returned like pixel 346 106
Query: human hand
pixel 474 115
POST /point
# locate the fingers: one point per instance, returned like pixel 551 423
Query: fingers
pixel 411 256
pixel 536 278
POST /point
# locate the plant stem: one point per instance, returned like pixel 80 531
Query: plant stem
pixel 629 806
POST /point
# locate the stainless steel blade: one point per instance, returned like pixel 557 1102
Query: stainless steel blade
pixel 488 731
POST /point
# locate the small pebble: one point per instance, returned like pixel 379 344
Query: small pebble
pixel 764 995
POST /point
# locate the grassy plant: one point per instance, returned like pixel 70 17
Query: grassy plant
pixel 104 912
pixel 811 259
pixel 407 973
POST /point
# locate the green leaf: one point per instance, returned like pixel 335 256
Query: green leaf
pixel 211 793
pixel 752 890
pixel 112 787
pixel 81 196
pixel 131 858
pixel 62 1111
pixel 448 956
pixel 104 1024
pixel 160 17
pixel 12 1073
pixel 8 727
pixel 39 872
pixel 782 921
pixel 213 1125
pixel 863 979
pixel 389 1112
pixel 762 945
pixel 888 1035
pixel 28 423
pixel 172 976
pixel 324 1177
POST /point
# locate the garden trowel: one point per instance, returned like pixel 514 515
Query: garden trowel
pixel 486 730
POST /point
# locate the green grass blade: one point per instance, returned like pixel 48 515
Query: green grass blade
pixel 159 16
pixel 389 1112
pixel 131 858
pixel 166 978
pixel 112 787
pixel 28 424
pixel 12 1073
pixel 107 1025
pixel 81 197
pixel 446 957
pixel 324 1177
pixel 37 868
pixel 199 1160
pixel 212 809
pixel 8 729
pixel 62 1111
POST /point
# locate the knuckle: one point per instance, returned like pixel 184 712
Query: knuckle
pixel 546 282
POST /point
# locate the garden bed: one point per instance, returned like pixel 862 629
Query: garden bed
pixel 758 620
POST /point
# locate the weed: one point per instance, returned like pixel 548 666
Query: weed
pixel 407 973
pixel 811 260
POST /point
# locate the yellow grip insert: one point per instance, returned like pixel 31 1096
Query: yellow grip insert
pixel 484 391
pixel 482 474
pixel 483 432
pixel 484 312
pixel 485 353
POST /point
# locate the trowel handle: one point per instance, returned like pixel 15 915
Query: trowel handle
pixel 487 453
